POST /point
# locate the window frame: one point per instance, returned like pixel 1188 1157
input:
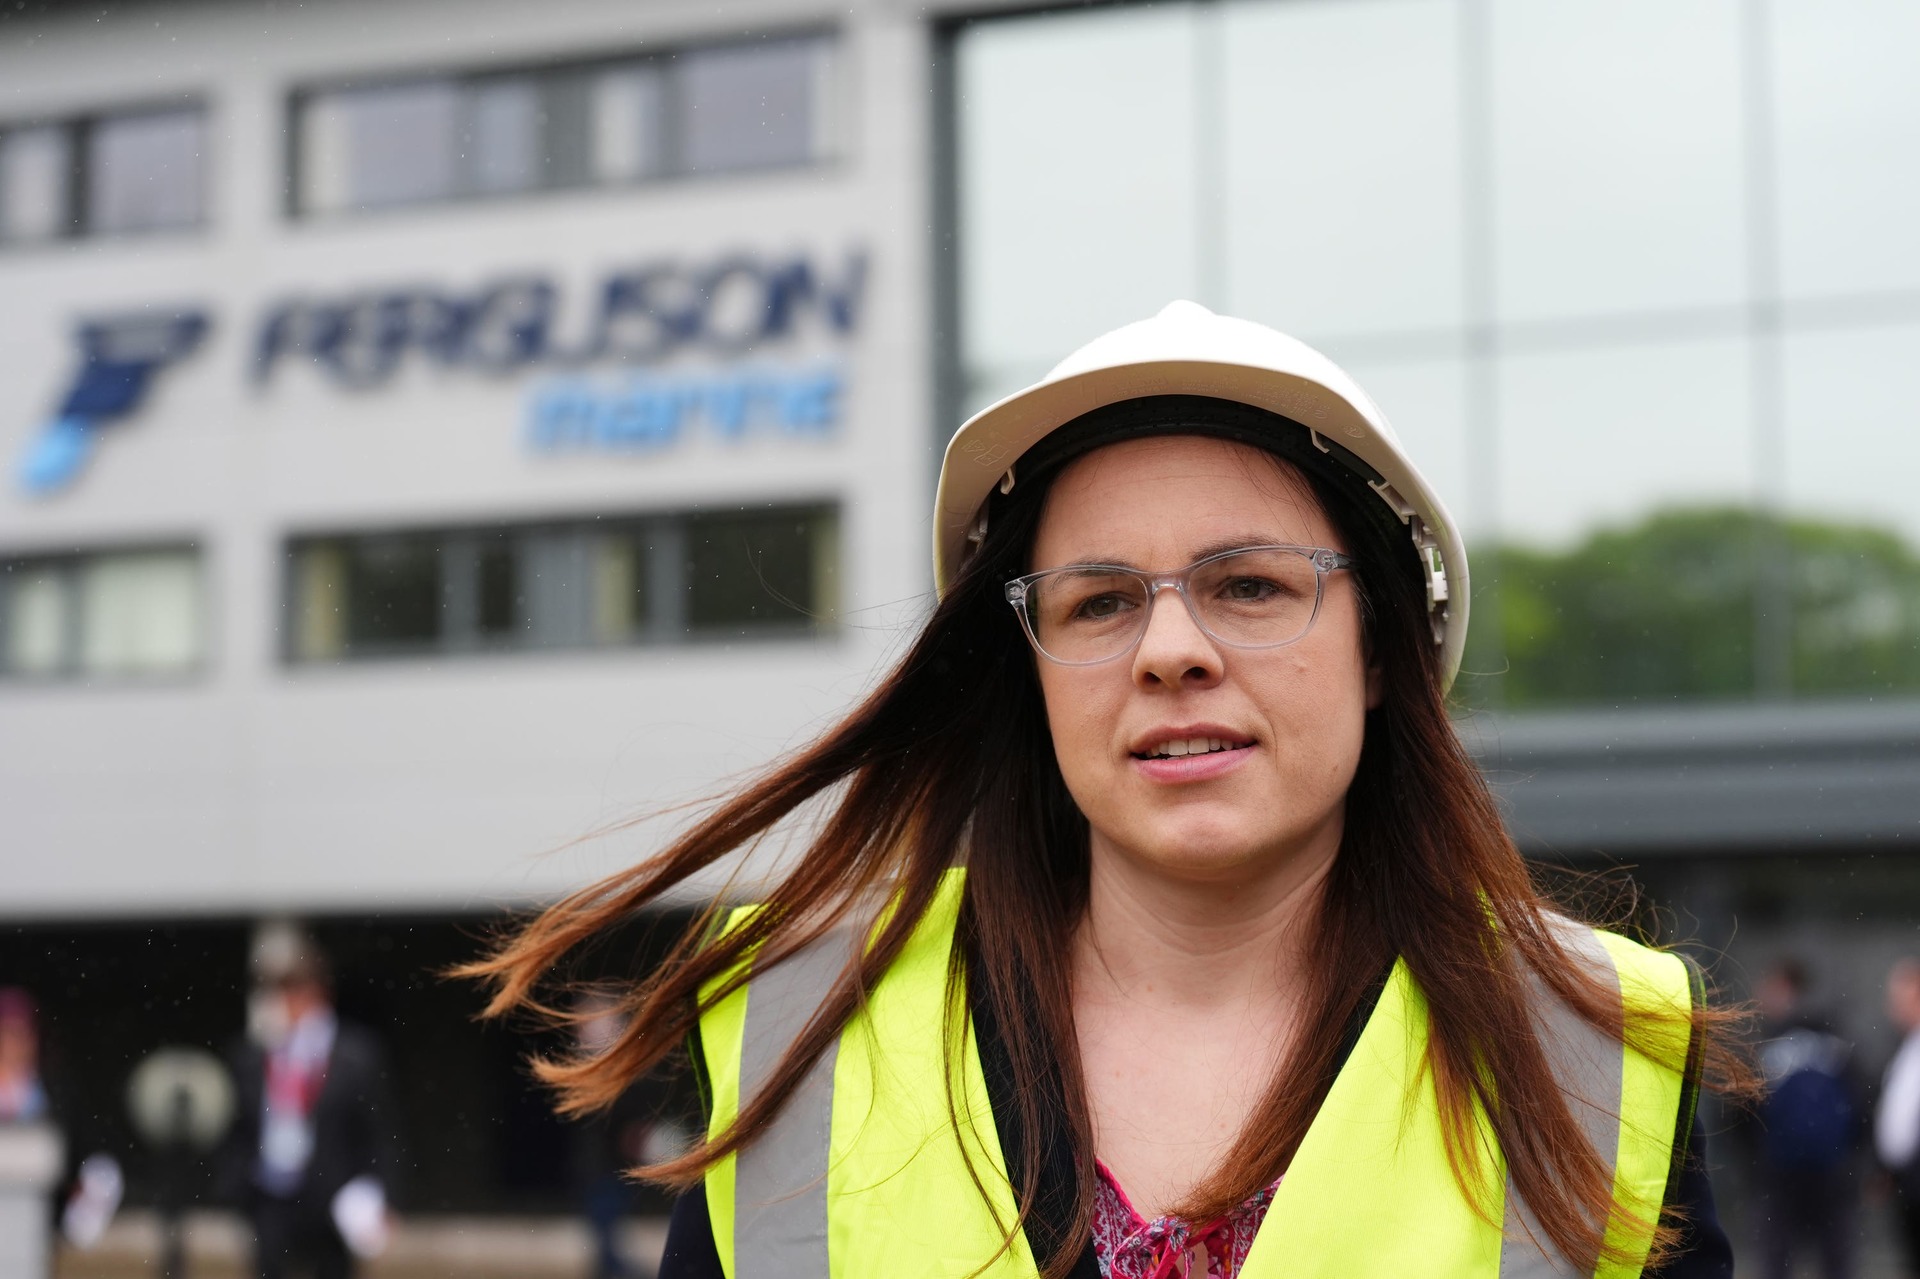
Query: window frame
pixel 70 563
pixel 80 129
pixel 663 537
pixel 829 149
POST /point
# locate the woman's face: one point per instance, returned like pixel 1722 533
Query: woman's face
pixel 1292 717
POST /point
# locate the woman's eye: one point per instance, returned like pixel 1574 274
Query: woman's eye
pixel 1096 608
pixel 1250 589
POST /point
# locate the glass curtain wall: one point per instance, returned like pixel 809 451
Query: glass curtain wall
pixel 1634 279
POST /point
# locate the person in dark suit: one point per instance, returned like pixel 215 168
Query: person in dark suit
pixel 312 1157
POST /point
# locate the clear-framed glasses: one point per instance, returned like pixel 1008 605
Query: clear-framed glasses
pixel 1254 597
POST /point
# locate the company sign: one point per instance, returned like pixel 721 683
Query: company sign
pixel 734 312
pixel 643 316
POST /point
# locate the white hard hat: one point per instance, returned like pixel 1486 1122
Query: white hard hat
pixel 1188 350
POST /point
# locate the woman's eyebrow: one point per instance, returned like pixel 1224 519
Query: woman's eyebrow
pixel 1219 546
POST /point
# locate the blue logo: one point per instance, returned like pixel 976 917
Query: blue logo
pixel 118 360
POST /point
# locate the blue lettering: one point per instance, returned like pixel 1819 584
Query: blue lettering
pixel 641 315
pixel 645 414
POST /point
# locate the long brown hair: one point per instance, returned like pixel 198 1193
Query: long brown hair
pixel 949 762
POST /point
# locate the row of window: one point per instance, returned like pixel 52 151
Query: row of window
pixel 668 579
pixel 103 175
pixel 431 138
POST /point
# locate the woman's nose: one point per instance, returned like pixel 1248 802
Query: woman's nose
pixel 1175 651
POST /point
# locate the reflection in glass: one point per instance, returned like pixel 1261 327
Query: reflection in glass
pixel 629 122
pixel 1617 156
pixel 657 580
pixel 1342 208
pixel 36 176
pixel 500 146
pixel 1853 426
pixel 1076 184
pixel 38 608
pixel 140 612
pixel 380 146
pixel 116 613
pixel 620 588
pixel 1847 112
pixel 759 571
pixel 749 106
pixel 1426 402
pixel 1600 435
pixel 146 172
pixel 393 593
pixel 497 590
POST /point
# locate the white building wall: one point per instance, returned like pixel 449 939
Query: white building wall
pixel 434 783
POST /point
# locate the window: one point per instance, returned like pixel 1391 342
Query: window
pixel 750 106
pixel 144 172
pixel 676 578
pixel 36 184
pixel 757 571
pixel 117 174
pixel 1635 280
pixel 722 108
pixel 122 613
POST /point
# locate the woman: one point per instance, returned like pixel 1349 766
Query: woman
pixel 1158 924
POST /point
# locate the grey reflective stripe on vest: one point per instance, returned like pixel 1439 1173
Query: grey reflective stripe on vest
pixel 780 1195
pixel 1588 1065
pixel 780 1181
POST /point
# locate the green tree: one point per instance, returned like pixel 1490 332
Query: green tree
pixel 1663 610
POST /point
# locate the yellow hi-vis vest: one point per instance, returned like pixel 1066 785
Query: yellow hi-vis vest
pixel 864 1174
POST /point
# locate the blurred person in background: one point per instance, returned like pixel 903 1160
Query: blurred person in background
pixel 94 1189
pixel 606 1145
pixel 313 1154
pixel 1896 1124
pixel 23 1094
pixel 1808 1130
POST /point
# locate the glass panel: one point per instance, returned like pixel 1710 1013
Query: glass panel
pixel 319 601
pixel 1343 204
pixel 399 143
pixel 1078 201
pixel 500 149
pixel 1626 478
pixel 35 176
pixel 325 164
pixel 37 619
pixel 497 590
pixel 1848 117
pixel 754 571
pixel 1606 435
pixel 566 127
pixel 140 613
pixel 1618 150
pixel 1425 400
pixel 628 115
pixel 620 589
pixel 146 172
pixel 748 106
pixel 393 593
pixel 1855 535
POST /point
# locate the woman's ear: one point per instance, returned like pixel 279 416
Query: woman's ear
pixel 1376 686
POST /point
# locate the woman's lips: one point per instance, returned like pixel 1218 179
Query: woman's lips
pixel 1194 768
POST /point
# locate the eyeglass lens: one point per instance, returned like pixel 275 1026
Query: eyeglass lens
pixel 1253 599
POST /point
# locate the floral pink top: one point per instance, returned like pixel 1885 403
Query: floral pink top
pixel 1130 1247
